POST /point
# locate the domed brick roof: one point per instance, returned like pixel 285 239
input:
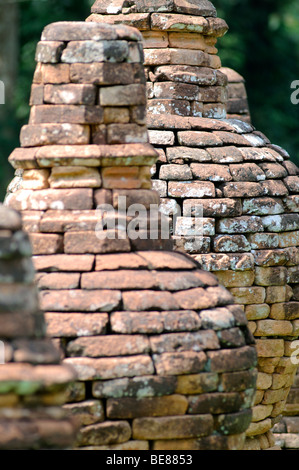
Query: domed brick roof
pixel 163 356
pixel 241 189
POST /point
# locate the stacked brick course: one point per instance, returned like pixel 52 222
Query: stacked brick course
pixel 164 358
pixel 246 187
pixel 33 383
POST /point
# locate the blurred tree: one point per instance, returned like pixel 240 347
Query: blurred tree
pixel 263 45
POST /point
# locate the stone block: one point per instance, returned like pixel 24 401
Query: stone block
pixel 173 427
pixel 130 408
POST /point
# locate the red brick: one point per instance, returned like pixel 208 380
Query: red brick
pixel 106 73
pixel 66 114
pixel 79 301
pixel 172 427
pixel 121 279
pixel 55 73
pixel 108 346
pixel 54 263
pixel 230 360
pixel 148 300
pixel 57 281
pixel 130 408
pixel 177 363
pixel 88 242
pixel 75 324
pixel 198 139
pixel 48 134
pixel 194 189
pixel 46 244
pixel 210 172
pixel 111 367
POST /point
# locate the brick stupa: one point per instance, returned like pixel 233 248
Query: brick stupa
pixel 164 358
pixel 33 383
pixel 246 188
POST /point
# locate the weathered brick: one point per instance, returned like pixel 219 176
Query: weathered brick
pixel 210 172
pixel 55 73
pixel 244 224
pixel 235 278
pixel 197 383
pixel 46 244
pixel 249 295
pixel 63 262
pixel 70 94
pixel 263 241
pixel 63 324
pixel 88 242
pixel 273 328
pixel 263 206
pixel 273 276
pixel 277 294
pixel 213 207
pixel 35 179
pixel 106 73
pixel 239 189
pixel 285 311
pixel 79 301
pixel 109 432
pixel 65 114
pixel 146 299
pixel 87 412
pixel 138 387
pixel 49 51
pixel 175 172
pixel 74 177
pixel 231 243
pixel 270 347
pixel 108 345
pixel 111 367
pixel 184 342
pixel 270 257
pixel 122 95
pixel 187 154
pixel 231 360
pixel 169 106
pixel 157 137
pixel 178 91
pixel 48 134
pixel 230 154
pixel 215 402
pixel 95 51
pixel 177 363
pixel 198 139
pixel 130 408
pixel 190 189
pixel 172 427
pixel 239 381
pixel 292 183
pixel 57 281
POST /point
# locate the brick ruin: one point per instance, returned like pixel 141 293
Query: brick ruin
pixel 164 358
pixel 246 187
pixel 33 382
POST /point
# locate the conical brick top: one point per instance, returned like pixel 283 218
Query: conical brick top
pixel 224 171
pixel 33 383
pixel 164 358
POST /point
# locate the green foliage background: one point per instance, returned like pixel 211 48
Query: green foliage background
pixel 262 44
